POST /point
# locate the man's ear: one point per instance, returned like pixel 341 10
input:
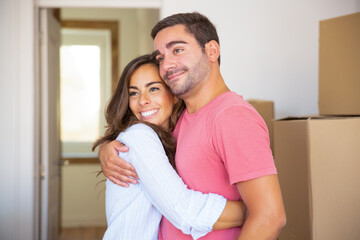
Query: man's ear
pixel 212 49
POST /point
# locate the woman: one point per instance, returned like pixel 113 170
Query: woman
pixel 141 114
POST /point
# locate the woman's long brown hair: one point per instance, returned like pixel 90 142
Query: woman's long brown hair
pixel 119 115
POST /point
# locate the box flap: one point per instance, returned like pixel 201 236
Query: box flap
pixel 315 117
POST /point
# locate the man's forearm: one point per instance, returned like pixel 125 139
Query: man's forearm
pixel 261 228
pixel 266 213
pixel 115 168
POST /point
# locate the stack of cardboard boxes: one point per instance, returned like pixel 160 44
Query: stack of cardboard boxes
pixel 318 157
pixel 266 110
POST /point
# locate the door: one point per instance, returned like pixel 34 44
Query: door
pixel 50 125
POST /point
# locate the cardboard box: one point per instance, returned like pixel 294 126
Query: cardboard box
pixel 339 66
pixel 318 162
pixel 266 111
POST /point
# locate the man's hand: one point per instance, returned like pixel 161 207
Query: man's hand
pixel 115 168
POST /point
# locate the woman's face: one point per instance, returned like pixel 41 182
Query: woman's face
pixel 149 99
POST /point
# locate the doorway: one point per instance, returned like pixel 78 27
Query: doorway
pixel 88 56
pixel 134 40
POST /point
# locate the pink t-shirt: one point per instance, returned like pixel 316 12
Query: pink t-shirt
pixel 223 143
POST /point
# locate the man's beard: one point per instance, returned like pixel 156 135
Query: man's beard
pixel 195 75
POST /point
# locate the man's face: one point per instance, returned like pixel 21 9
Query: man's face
pixel 183 64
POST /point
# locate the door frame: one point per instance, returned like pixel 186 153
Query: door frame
pixel 29 104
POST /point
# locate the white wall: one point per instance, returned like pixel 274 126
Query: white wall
pixel 8 156
pixel 269 49
pixel 18 180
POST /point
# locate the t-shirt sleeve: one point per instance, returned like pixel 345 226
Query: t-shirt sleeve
pixel 241 139
pixel 191 211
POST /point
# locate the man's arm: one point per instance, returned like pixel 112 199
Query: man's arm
pixel 266 213
pixel 115 168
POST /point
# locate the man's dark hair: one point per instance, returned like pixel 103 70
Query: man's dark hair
pixel 195 23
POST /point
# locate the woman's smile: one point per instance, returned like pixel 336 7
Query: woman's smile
pixel 149 113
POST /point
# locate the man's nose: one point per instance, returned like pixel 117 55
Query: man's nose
pixel 169 63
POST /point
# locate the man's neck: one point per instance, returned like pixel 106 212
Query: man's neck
pixel 205 92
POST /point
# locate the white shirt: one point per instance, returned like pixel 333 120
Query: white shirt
pixel 134 213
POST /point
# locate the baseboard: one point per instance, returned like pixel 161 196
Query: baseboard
pixel 83 223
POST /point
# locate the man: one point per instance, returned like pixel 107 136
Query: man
pixel 222 142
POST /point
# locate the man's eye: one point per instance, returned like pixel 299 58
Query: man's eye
pixel 178 50
pixel 160 59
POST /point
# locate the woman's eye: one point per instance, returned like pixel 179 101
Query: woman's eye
pixel 153 89
pixel 132 94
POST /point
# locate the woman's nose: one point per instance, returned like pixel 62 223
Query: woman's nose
pixel 144 99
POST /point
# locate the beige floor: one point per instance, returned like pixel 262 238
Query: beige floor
pixel 84 233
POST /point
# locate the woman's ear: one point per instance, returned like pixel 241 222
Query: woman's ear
pixel 176 100
pixel 212 49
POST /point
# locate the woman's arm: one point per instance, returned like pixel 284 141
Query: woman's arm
pixel 191 211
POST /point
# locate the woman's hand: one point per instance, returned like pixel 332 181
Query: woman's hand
pixel 115 168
